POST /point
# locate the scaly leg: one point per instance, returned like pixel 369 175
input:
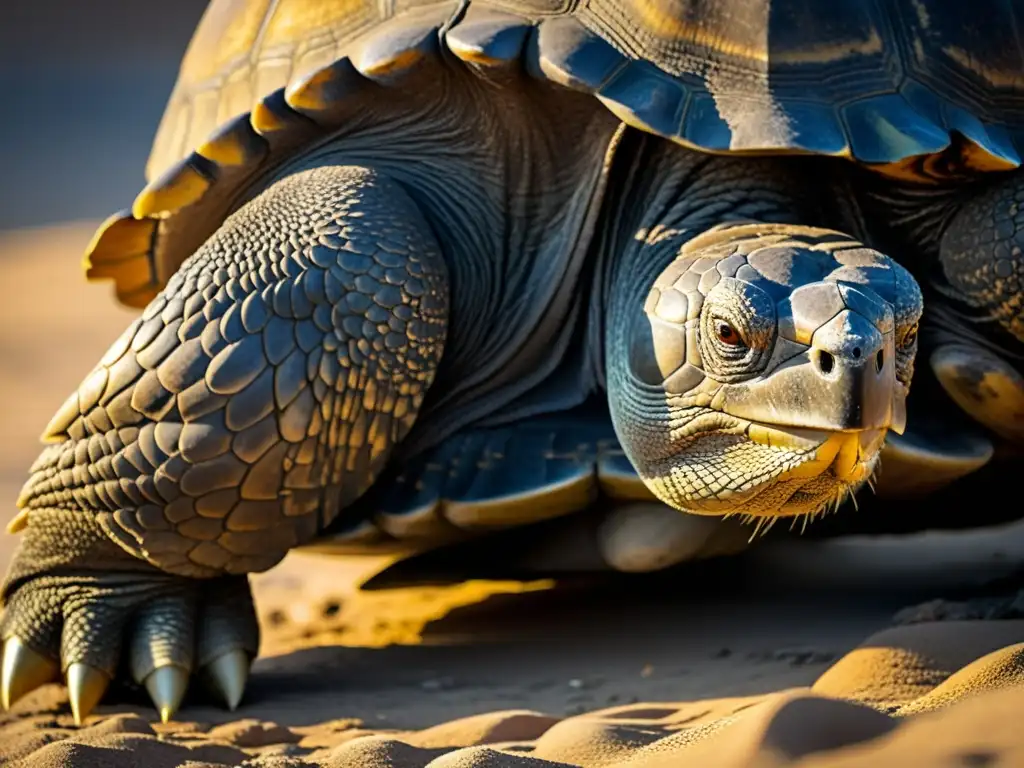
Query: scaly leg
pixel 981 253
pixel 257 395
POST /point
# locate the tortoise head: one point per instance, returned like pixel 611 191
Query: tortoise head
pixel 765 370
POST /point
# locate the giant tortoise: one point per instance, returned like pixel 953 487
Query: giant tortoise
pixel 411 272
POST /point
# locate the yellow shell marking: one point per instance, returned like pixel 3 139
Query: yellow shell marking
pixel 182 186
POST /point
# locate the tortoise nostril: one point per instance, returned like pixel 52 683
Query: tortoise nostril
pixel 880 360
pixel 856 352
pixel 825 362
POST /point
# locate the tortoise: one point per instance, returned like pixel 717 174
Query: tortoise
pixel 414 272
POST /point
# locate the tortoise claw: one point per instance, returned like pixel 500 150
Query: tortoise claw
pixel 167 686
pixel 86 686
pixel 23 671
pixel 226 676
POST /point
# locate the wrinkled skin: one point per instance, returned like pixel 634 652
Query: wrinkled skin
pixel 751 368
pixel 768 366
pixel 484 258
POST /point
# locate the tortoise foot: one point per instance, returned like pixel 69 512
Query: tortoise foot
pixel 987 388
pixel 650 536
pixel 157 630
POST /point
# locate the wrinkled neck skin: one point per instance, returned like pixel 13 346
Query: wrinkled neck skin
pixel 904 212
pixel 704 414
pixel 673 194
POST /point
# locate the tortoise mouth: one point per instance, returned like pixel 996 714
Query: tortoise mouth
pixel 845 454
pixel 766 470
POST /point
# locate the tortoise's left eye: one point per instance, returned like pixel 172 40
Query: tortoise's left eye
pixel 727 334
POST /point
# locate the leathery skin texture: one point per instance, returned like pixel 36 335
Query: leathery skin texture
pixel 765 370
pixel 258 393
pixel 264 388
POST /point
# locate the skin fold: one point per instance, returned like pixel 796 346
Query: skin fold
pixel 359 307
pixel 266 387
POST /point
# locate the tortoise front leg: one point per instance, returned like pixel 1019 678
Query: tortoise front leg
pixel 981 255
pixel 258 394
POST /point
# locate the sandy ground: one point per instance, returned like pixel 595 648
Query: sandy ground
pixel 794 653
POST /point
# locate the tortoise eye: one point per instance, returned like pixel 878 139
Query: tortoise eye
pixel 910 338
pixel 727 334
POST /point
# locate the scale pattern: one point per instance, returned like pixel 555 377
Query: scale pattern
pixel 264 388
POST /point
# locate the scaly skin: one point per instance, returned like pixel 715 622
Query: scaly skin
pixel 981 252
pixel 753 426
pixel 784 412
pixel 265 388
pixel 982 260
pixel 258 394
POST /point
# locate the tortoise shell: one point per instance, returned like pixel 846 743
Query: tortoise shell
pixel 914 88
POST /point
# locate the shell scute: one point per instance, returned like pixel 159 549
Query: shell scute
pixel 273 119
pixel 400 45
pixel 644 96
pixel 121 250
pixel 813 126
pixel 886 129
pixel 179 186
pixel 997 152
pixel 905 86
pixel 488 38
pixel 323 93
pixel 703 126
pixel 234 144
pixel 569 54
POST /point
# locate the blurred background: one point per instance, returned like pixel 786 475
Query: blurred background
pixel 83 83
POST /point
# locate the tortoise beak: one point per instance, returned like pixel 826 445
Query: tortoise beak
pixel 845 381
pixel 854 372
